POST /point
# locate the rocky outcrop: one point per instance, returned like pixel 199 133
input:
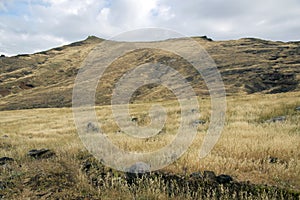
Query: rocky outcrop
pixel 40 153
pixel 91 127
pixel 276 119
pixel 248 65
pixel 4 160
pixel 137 170
pixel 198 122
pixel 198 185
pixel 271 82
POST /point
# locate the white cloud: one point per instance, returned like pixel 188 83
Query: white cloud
pixel 2 6
pixel 30 25
pixel 164 12
pixel 104 14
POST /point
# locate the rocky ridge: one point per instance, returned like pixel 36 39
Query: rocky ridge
pixel 247 66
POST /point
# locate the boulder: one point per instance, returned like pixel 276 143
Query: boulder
pixel 276 119
pixel 41 153
pixel 209 175
pixel 298 108
pixel 90 127
pixel 196 175
pixel 137 170
pixel 194 110
pixel 86 166
pixel 4 160
pixel 134 119
pixel 2 187
pixel 199 122
pixel 223 178
pixel 273 160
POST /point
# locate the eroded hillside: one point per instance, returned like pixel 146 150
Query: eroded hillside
pixel 46 79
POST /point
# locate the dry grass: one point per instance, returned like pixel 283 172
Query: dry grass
pixel 243 151
pixel 46 79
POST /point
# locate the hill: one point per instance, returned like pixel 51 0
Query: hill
pixel 247 66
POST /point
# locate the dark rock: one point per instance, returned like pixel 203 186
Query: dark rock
pixel 205 38
pixel 298 108
pixel 273 160
pixel 194 110
pixel 277 119
pixel 223 178
pixel 209 175
pixel 2 186
pixel 26 86
pixel 196 175
pixel 22 55
pixel 134 119
pixel 86 166
pixel 42 153
pixel 91 127
pixel 274 57
pixel 5 136
pixel 271 82
pixel 139 167
pixel 199 122
pixel 137 170
pixel 4 160
pixel 2 56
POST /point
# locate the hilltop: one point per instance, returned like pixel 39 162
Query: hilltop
pixel 248 65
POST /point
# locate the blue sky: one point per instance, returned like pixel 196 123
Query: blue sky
pixel 28 26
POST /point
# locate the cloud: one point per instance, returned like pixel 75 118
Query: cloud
pixel 27 26
pixel 2 6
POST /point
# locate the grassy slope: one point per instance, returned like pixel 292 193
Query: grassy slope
pixel 247 66
pixel 243 150
pixel 46 79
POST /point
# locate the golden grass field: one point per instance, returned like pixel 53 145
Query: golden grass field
pixel 243 150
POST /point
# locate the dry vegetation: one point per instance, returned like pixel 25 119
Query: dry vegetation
pixel 248 65
pixel 261 80
pixel 243 151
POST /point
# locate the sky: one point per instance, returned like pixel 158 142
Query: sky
pixel 28 26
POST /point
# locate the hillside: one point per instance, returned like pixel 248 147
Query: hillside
pixel 262 158
pixel 247 66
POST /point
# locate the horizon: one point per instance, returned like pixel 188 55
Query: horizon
pixel 29 26
pixel 194 36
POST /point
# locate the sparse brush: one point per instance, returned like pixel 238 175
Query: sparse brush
pixel 249 149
